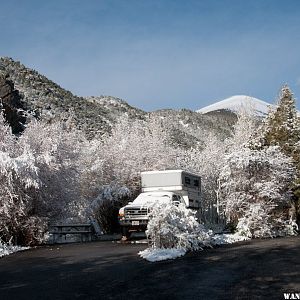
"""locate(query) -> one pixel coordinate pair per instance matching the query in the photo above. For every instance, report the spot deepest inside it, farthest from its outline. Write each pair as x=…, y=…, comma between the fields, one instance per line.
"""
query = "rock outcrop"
x=11, y=103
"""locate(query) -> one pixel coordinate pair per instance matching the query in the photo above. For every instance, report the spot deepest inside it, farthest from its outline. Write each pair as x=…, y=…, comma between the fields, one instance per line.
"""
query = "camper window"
x=196, y=182
x=187, y=180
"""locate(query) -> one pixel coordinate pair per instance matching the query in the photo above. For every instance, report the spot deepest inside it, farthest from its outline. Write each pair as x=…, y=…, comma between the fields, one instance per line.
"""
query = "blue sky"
x=158, y=54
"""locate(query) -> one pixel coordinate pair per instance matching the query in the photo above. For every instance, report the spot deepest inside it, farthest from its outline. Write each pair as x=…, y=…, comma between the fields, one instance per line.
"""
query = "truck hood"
x=140, y=205
x=145, y=200
x=148, y=201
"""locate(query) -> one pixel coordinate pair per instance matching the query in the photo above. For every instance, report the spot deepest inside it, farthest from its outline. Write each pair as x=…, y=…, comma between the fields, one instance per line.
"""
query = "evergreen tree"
x=282, y=128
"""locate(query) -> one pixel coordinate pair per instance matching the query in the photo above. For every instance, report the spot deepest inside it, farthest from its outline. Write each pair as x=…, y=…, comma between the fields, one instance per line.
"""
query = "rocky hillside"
x=189, y=127
x=35, y=93
x=49, y=101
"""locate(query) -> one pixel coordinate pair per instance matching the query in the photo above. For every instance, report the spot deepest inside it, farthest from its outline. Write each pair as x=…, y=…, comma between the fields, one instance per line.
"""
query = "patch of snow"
x=106, y=100
x=156, y=254
x=239, y=103
x=6, y=249
x=183, y=124
x=140, y=242
x=227, y=238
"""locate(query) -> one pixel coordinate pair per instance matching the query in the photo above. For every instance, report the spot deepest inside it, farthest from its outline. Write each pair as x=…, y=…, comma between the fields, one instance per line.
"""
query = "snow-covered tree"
x=208, y=161
x=134, y=147
x=243, y=130
x=257, y=181
x=40, y=179
x=58, y=154
x=18, y=178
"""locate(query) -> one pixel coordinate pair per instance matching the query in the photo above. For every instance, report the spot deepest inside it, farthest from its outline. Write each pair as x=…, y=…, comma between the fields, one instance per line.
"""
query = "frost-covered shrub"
x=260, y=221
x=286, y=227
x=106, y=206
x=254, y=191
x=206, y=162
x=33, y=230
x=39, y=179
x=18, y=181
x=7, y=248
x=58, y=152
x=256, y=222
x=173, y=226
x=133, y=147
x=209, y=159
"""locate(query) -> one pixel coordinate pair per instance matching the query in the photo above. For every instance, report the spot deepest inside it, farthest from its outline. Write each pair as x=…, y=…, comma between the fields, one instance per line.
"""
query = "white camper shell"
x=186, y=184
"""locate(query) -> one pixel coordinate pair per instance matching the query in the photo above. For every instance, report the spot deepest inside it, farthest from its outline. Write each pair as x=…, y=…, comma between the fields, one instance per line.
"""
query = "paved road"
x=261, y=269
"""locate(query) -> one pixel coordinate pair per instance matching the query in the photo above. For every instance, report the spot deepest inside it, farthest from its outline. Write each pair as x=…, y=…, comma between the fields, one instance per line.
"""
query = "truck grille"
x=135, y=213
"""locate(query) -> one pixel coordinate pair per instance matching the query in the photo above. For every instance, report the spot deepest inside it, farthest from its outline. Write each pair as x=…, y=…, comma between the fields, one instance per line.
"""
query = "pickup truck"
x=134, y=216
x=176, y=186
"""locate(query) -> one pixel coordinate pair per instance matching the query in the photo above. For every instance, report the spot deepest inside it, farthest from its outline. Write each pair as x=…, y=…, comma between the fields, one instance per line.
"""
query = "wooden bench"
x=60, y=231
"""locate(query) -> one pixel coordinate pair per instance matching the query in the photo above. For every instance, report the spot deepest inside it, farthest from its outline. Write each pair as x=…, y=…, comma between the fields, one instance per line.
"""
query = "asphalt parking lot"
x=259, y=269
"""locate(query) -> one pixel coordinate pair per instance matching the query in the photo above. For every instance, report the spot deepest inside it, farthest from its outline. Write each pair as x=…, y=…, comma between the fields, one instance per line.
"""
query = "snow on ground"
x=6, y=249
x=227, y=238
x=239, y=103
x=158, y=254
x=140, y=242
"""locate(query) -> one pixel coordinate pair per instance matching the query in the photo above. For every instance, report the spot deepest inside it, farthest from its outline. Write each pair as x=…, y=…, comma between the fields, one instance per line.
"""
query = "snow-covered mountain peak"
x=239, y=103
